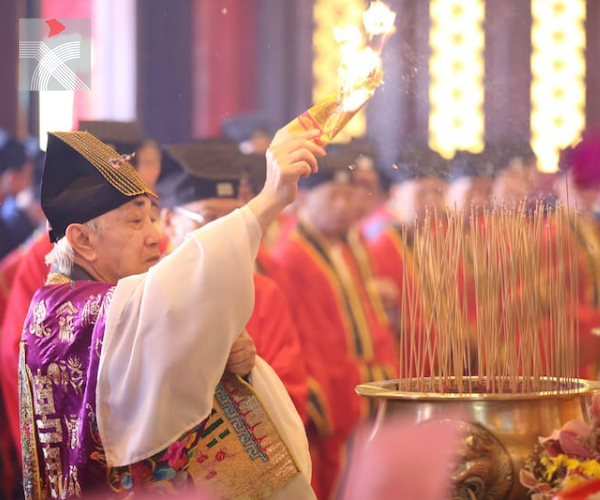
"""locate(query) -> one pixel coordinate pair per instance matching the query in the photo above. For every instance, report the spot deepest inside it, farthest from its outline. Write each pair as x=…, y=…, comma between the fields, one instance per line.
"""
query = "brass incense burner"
x=500, y=429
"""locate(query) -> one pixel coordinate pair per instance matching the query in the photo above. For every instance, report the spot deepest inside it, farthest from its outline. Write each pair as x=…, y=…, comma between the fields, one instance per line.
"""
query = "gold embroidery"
x=91, y=310
x=98, y=347
x=72, y=424
x=53, y=470
x=58, y=375
x=76, y=375
x=32, y=477
x=49, y=430
x=71, y=484
x=65, y=321
x=57, y=279
x=65, y=373
x=43, y=397
x=38, y=328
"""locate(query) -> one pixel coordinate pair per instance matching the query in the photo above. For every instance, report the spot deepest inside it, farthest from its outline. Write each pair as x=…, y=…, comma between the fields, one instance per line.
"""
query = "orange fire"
x=360, y=70
x=360, y=73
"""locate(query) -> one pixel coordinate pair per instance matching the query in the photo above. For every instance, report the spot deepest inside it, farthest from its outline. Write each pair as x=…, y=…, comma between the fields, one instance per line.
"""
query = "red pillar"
x=223, y=62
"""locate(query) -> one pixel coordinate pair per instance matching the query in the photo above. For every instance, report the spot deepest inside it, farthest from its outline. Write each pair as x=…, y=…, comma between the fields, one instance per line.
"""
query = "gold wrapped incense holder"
x=332, y=114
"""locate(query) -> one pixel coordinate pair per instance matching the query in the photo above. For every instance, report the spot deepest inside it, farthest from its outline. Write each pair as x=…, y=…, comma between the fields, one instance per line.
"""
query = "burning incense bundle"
x=360, y=74
x=518, y=270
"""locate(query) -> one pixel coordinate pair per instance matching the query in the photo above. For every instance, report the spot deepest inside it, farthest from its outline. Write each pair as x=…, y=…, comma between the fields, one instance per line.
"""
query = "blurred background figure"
x=250, y=132
x=147, y=162
x=418, y=183
x=470, y=181
x=517, y=178
x=578, y=187
x=370, y=193
x=20, y=211
x=345, y=334
x=252, y=169
x=578, y=180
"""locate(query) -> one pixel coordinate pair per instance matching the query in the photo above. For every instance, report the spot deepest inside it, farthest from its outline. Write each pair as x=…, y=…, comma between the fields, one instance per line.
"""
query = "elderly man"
x=121, y=353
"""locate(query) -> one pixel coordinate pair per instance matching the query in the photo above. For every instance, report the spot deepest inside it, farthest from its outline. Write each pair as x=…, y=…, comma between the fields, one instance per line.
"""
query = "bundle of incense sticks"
x=489, y=303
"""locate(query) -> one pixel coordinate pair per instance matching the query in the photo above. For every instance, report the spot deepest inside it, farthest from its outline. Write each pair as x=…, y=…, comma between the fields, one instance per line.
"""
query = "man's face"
x=16, y=180
x=366, y=192
x=328, y=208
x=180, y=221
x=469, y=192
x=414, y=197
x=127, y=243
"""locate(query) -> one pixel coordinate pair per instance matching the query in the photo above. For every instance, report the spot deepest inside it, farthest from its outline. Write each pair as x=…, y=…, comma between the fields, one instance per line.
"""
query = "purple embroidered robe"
x=60, y=352
x=63, y=456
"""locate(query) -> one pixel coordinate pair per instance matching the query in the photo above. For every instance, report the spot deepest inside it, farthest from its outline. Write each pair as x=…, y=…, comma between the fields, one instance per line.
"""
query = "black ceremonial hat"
x=197, y=171
x=84, y=178
x=467, y=164
x=417, y=163
x=253, y=170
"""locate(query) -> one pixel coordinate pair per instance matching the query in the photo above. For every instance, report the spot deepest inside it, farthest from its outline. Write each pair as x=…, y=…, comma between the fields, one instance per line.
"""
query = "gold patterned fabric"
x=241, y=454
x=121, y=175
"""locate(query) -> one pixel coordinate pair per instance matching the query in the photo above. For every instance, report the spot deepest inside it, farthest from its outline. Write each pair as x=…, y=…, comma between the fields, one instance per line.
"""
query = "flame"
x=379, y=19
x=361, y=71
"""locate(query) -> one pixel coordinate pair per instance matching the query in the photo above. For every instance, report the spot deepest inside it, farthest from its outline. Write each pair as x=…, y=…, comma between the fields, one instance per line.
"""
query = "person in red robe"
x=200, y=184
x=578, y=185
x=346, y=338
x=418, y=186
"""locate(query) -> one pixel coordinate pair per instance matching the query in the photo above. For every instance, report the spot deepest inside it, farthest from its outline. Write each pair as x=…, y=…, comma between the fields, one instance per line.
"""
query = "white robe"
x=167, y=339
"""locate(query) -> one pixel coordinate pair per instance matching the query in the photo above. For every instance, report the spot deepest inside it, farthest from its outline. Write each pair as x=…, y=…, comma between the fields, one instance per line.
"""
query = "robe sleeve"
x=168, y=336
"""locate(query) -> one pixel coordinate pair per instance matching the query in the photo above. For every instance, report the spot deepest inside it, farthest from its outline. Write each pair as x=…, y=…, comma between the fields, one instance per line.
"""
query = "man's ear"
x=79, y=237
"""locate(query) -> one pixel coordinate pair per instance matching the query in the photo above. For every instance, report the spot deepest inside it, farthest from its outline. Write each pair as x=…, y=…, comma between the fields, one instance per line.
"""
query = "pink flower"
x=551, y=444
x=574, y=439
x=174, y=454
x=527, y=479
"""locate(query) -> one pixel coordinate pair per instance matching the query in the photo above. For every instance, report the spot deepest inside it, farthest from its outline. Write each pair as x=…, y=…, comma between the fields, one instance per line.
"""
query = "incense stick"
x=489, y=305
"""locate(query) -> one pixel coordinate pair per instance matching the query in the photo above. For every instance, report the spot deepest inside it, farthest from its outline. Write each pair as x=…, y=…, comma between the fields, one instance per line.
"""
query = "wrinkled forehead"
x=142, y=202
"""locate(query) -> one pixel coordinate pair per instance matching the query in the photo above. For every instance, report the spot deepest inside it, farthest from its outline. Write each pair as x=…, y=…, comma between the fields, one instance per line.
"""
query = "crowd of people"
x=162, y=271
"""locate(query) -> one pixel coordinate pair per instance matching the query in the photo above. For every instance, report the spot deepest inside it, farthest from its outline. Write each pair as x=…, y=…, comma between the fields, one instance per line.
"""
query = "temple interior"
x=442, y=265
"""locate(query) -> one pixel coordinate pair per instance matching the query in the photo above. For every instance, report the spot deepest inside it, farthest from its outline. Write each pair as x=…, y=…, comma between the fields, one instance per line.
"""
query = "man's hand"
x=288, y=158
x=242, y=355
